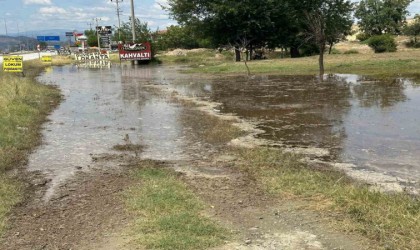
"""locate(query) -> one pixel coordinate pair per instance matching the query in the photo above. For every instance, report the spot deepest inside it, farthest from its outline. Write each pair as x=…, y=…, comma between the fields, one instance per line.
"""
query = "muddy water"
x=103, y=108
x=372, y=124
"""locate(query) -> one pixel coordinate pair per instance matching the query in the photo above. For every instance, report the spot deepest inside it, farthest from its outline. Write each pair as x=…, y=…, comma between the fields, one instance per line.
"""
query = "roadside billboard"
x=135, y=51
x=13, y=64
x=46, y=58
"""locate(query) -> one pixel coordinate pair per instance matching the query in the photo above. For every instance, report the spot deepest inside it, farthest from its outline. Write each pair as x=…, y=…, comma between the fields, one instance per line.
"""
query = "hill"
x=10, y=43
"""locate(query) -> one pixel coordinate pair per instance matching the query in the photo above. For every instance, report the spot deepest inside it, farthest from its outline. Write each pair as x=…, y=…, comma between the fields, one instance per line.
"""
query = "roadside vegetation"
x=393, y=220
x=390, y=219
x=384, y=64
x=169, y=215
x=24, y=105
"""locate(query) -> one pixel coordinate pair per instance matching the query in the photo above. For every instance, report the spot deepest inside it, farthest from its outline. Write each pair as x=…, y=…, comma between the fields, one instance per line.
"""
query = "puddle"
x=369, y=123
x=103, y=108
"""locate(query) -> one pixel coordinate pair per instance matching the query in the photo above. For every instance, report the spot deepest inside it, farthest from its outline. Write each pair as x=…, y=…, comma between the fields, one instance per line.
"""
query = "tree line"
x=304, y=27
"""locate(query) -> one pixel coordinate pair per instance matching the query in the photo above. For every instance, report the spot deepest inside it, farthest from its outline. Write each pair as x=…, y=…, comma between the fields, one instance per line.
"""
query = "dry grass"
x=393, y=220
x=24, y=105
x=354, y=57
x=403, y=62
x=210, y=128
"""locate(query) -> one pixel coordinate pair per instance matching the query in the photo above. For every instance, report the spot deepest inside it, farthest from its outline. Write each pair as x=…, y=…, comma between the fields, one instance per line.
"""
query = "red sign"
x=135, y=51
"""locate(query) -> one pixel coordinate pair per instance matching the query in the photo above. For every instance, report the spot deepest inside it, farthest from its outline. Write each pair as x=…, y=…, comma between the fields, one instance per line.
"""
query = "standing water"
x=371, y=124
x=103, y=108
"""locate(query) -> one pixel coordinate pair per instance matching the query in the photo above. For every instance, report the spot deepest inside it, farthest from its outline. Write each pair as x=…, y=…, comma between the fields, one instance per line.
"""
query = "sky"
x=26, y=16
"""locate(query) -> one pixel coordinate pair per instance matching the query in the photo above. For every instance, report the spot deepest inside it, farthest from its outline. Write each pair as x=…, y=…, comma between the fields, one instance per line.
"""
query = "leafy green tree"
x=325, y=21
x=413, y=29
x=377, y=17
x=174, y=37
x=92, y=38
x=143, y=32
x=242, y=24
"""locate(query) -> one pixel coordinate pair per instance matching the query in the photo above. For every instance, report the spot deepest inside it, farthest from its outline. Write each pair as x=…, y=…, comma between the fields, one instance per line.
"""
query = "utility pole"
x=97, y=33
x=118, y=15
x=90, y=25
x=5, y=25
x=133, y=22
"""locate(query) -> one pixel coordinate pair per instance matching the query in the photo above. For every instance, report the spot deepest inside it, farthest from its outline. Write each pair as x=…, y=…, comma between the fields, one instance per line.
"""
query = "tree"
x=325, y=21
x=377, y=17
x=231, y=22
x=92, y=38
x=413, y=29
x=177, y=37
x=143, y=32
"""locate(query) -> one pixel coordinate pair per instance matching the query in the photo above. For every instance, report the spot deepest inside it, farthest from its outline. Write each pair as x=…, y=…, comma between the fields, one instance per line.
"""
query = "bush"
x=335, y=51
x=412, y=44
x=362, y=37
x=351, y=51
x=382, y=43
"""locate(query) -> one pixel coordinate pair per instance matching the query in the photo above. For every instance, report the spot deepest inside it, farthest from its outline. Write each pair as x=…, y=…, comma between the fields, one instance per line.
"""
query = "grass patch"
x=393, y=220
x=10, y=194
x=211, y=129
x=169, y=214
x=24, y=105
x=197, y=58
x=388, y=64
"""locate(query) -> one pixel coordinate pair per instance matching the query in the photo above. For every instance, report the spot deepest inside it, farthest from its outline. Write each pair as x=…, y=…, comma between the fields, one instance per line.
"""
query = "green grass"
x=204, y=57
x=400, y=62
x=393, y=220
x=24, y=105
x=169, y=215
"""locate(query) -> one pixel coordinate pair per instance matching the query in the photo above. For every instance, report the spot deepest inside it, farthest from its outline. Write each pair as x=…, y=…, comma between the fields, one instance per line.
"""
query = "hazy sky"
x=29, y=15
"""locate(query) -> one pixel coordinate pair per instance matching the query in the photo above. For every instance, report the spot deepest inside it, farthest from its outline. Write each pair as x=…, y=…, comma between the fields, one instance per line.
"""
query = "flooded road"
x=371, y=124
x=103, y=108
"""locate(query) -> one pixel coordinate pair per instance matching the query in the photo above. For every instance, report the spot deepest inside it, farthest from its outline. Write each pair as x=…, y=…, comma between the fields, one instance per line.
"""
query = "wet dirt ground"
x=78, y=175
x=366, y=126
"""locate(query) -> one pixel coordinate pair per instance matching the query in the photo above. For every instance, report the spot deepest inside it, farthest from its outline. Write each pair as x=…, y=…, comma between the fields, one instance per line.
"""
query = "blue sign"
x=57, y=46
x=48, y=38
x=52, y=38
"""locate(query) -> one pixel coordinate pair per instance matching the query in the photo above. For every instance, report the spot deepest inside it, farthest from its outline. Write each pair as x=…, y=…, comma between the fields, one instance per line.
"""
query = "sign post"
x=13, y=64
x=135, y=51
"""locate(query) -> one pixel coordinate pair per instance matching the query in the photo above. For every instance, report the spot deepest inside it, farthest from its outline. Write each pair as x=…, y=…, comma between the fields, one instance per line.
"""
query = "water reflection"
x=370, y=122
x=102, y=107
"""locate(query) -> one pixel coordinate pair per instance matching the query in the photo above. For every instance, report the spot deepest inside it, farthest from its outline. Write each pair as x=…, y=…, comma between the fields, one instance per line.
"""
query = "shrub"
x=351, y=51
x=335, y=51
x=412, y=44
x=382, y=43
x=362, y=37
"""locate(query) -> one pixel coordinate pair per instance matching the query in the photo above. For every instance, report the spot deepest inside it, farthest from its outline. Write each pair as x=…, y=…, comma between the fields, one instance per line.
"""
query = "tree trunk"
x=237, y=54
x=294, y=52
x=330, y=48
x=321, y=62
x=251, y=52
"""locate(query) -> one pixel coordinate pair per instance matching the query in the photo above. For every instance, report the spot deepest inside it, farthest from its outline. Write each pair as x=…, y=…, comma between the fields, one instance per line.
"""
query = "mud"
x=82, y=167
x=368, y=124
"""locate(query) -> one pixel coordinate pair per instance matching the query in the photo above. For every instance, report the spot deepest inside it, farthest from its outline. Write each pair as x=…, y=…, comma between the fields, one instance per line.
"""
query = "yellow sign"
x=46, y=59
x=13, y=63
